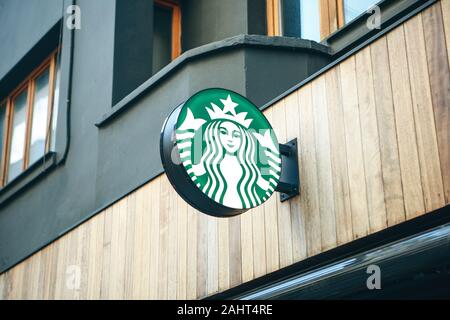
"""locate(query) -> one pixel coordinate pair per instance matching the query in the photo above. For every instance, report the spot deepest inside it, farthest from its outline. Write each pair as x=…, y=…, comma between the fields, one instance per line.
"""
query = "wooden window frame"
x=176, y=25
x=340, y=13
x=29, y=85
x=3, y=157
x=273, y=17
x=331, y=17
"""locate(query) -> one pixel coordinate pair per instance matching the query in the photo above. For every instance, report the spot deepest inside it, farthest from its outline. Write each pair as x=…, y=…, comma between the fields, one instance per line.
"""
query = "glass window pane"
x=2, y=129
x=55, y=105
x=39, y=117
x=353, y=8
x=290, y=17
x=162, y=38
x=18, y=135
x=310, y=20
x=301, y=19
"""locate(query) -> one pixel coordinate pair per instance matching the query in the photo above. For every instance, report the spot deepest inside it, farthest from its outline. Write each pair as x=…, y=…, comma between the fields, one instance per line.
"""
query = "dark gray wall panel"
x=256, y=17
x=206, y=21
x=132, y=45
x=270, y=72
x=23, y=23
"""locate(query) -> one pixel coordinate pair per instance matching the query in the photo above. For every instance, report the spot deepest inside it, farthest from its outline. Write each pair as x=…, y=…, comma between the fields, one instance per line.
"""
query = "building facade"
x=86, y=211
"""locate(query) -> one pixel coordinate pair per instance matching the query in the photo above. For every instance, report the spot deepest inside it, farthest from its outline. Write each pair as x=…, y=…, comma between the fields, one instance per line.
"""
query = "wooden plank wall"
x=374, y=152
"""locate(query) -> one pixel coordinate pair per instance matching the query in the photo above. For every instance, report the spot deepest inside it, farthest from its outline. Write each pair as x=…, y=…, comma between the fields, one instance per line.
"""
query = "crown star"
x=228, y=112
x=229, y=105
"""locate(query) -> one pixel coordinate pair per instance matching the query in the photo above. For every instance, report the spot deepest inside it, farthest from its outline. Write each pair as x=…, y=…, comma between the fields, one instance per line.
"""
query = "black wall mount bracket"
x=289, y=185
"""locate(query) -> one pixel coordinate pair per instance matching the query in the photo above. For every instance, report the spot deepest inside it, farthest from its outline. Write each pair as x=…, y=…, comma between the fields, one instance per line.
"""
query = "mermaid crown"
x=228, y=112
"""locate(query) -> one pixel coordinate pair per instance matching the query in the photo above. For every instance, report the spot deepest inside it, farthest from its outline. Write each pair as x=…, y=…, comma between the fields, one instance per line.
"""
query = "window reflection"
x=18, y=136
x=39, y=117
x=301, y=19
x=55, y=106
x=310, y=20
x=353, y=8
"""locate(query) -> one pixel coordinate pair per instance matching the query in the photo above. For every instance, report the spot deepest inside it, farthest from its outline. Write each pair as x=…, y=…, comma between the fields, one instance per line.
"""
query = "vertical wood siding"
x=373, y=150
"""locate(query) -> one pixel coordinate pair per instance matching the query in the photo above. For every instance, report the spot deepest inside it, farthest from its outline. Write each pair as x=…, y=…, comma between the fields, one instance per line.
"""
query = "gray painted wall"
x=16, y=39
x=206, y=21
x=105, y=163
x=23, y=45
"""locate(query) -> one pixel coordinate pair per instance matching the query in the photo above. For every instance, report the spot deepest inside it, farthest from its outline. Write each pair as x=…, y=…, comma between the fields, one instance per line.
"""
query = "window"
x=311, y=19
x=28, y=120
x=17, y=147
x=300, y=19
x=166, y=33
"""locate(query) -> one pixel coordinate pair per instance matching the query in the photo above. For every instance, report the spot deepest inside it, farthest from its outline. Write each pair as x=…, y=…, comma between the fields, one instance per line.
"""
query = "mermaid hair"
x=216, y=186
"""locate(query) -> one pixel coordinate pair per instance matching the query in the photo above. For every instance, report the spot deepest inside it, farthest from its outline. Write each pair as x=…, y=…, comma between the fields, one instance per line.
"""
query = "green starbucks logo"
x=228, y=149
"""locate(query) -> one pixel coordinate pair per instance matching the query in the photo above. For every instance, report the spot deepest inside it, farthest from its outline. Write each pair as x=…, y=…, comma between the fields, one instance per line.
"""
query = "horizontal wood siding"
x=373, y=150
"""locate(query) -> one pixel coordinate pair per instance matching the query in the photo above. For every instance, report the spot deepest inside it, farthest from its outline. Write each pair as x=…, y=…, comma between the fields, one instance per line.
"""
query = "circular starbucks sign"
x=220, y=153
